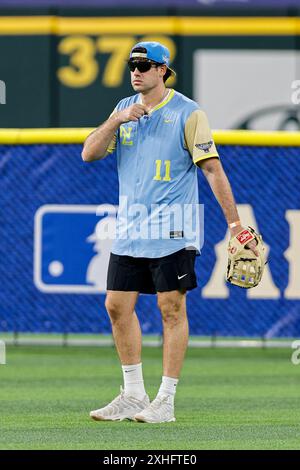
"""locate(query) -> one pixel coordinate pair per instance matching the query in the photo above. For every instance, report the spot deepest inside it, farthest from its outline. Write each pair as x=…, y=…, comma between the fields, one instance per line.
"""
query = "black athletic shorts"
x=151, y=275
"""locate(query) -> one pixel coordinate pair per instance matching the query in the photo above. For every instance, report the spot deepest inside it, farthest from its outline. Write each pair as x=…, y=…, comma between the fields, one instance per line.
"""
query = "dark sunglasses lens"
x=141, y=66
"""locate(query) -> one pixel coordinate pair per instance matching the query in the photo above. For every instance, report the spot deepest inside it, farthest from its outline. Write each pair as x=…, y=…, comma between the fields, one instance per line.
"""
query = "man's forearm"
x=218, y=181
x=221, y=188
x=96, y=144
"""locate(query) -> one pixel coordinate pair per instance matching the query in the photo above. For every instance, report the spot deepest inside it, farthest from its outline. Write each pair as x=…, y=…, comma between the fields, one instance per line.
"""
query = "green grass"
x=226, y=399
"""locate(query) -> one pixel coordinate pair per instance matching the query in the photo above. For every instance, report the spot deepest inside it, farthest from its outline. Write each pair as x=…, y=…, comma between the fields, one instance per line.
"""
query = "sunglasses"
x=142, y=66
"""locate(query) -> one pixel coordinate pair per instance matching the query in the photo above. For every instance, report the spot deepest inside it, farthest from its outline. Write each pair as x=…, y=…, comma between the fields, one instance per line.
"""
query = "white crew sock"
x=133, y=380
x=168, y=387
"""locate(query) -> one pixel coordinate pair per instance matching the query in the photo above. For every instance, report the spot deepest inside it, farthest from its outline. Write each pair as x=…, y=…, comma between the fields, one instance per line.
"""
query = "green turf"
x=226, y=399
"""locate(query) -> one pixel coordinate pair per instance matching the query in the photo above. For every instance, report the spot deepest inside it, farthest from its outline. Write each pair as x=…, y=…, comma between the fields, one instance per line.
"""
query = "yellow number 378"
x=83, y=68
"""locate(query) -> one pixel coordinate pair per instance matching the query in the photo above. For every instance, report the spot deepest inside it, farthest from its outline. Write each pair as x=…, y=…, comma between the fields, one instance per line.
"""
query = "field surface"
x=226, y=399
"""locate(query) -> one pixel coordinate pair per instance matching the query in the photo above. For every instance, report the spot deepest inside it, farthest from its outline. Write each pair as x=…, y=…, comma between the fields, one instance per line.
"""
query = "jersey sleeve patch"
x=198, y=137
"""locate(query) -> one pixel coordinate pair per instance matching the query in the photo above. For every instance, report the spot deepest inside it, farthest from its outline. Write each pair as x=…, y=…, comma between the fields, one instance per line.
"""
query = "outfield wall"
x=66, y=67
x=50, y=257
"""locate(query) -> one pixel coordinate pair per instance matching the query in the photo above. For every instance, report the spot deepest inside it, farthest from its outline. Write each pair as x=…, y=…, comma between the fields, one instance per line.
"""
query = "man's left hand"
x=251, y=245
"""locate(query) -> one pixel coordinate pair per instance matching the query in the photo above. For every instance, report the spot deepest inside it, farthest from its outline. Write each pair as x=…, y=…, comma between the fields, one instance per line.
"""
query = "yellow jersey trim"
x=203, y=157
x=163, y=103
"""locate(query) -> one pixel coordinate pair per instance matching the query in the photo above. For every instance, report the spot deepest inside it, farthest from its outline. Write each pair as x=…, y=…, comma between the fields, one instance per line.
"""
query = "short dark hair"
x=168, y=72
x=167, y=75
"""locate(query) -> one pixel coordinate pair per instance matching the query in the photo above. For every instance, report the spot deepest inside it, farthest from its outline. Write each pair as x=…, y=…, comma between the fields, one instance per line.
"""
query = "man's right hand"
x=132, y=113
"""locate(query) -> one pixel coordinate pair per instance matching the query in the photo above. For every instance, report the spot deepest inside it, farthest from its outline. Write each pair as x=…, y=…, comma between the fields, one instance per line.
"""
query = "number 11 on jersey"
x=158, y=176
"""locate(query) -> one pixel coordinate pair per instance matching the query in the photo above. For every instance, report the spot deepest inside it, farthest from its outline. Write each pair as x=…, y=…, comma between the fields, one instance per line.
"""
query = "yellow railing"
x=171, y=25
x=259, y=138
x=77, y=136
x=44, y=136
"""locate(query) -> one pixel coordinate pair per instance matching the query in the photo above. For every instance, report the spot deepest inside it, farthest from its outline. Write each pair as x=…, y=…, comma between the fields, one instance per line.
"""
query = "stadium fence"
x=49, y=198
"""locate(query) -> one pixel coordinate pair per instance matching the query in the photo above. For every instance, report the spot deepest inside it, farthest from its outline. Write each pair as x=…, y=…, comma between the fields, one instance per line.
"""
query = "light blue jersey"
x=158, y=199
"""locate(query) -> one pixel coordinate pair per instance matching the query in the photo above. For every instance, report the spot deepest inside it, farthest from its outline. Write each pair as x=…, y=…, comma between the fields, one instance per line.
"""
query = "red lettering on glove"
x=244, y=237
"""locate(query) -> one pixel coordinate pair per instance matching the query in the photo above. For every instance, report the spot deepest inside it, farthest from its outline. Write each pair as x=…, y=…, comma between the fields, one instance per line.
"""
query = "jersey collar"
x=163, y=103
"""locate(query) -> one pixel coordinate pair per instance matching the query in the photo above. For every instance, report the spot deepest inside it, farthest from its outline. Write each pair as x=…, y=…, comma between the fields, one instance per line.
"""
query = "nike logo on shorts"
x=180, y=277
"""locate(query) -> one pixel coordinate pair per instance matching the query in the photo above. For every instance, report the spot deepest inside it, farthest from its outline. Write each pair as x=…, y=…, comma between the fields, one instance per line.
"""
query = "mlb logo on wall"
x=72, y=245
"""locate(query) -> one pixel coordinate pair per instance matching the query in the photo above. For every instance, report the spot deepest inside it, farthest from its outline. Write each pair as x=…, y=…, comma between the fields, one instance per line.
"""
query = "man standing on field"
x=160, y=137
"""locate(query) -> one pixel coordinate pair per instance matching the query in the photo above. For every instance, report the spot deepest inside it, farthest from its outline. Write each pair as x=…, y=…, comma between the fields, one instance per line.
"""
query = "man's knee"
x=114, y=309
x=172, y=309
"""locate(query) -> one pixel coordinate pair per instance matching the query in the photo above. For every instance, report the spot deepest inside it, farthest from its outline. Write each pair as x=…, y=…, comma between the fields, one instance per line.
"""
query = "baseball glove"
x=244, y=268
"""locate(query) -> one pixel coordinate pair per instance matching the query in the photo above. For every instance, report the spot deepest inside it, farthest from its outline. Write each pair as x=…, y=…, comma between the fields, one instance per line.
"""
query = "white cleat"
x=161, y=410
x=122, y=407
